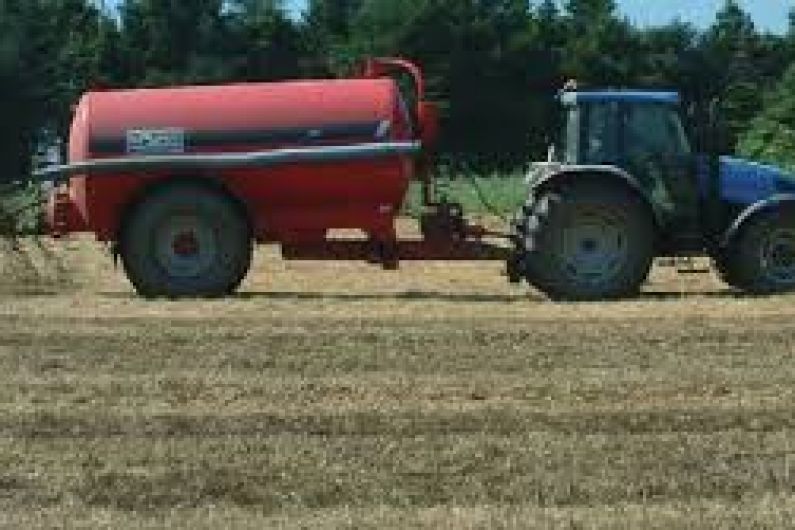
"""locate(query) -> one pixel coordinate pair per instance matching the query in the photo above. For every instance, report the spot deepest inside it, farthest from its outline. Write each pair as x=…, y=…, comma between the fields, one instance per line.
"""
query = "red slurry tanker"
x=182, y=182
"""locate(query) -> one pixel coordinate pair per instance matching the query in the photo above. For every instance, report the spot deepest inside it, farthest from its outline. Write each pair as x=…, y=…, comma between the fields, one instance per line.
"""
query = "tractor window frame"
x=571, y=134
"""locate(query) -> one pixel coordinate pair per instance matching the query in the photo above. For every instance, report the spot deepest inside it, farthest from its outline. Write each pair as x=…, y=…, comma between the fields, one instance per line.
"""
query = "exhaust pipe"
x=220, y=161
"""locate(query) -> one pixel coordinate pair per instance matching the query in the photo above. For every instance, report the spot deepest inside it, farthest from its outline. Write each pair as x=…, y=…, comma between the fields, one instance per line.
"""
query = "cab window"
x=601, y=134
x=654, y=130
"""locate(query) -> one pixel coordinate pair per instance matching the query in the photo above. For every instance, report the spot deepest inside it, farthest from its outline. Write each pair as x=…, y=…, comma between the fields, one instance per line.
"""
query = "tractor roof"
x=627, y=96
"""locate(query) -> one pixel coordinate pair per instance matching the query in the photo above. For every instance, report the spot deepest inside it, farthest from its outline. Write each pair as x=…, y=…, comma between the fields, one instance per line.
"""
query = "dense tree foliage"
x=50, y=52
x=771, y=134
x=15, y=96
x=495, y=65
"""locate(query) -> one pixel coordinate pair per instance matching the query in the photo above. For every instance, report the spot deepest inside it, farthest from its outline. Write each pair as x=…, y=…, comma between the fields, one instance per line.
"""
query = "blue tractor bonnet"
x=743, y=182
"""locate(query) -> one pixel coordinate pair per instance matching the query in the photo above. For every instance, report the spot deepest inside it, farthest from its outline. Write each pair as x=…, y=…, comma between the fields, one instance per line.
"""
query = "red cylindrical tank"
x=286, y=202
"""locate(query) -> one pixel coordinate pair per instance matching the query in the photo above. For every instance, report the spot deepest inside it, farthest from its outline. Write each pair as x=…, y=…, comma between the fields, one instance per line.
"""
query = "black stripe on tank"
x=368, y=131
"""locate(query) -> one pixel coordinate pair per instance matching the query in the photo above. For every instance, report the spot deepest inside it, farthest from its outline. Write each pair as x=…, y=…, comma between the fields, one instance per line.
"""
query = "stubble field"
x=334, y=395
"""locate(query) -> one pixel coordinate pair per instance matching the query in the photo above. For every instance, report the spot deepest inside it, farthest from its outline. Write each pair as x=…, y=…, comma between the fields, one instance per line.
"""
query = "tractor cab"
x=642, y=133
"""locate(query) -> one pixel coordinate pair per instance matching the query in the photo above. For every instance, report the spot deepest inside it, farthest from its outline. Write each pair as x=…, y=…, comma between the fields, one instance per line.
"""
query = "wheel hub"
x=594, y=249
x=778, y=255
x=185, y=246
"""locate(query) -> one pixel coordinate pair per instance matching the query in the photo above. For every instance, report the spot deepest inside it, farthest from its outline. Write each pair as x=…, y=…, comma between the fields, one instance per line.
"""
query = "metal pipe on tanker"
x=426, y=115
x=221, y=161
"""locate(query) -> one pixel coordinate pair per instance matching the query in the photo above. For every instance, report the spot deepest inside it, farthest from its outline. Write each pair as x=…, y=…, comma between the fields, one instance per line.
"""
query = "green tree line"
x=494, y=65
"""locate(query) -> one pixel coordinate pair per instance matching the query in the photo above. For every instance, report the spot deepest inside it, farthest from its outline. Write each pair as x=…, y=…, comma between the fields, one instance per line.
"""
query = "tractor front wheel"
x=186, y=240
x=761, y=260
x=589, y=241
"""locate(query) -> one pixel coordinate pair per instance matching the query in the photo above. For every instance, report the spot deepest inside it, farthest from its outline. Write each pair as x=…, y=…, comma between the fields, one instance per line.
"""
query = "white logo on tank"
x=155, y=141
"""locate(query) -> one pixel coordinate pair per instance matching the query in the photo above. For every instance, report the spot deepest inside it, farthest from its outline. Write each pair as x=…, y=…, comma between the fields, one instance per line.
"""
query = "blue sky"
x=770, y=15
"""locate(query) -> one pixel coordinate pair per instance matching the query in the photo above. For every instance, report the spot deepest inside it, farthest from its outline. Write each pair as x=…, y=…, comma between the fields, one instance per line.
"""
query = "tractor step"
x=685, y=265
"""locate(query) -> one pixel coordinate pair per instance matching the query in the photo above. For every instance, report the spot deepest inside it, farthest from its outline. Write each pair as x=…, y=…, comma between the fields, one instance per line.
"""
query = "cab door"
x=656, y=152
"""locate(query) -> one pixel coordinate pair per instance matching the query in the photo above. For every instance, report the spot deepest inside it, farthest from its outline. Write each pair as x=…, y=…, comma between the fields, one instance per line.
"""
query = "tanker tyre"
x=184, y=241
x=761, y=259
x=588, y=242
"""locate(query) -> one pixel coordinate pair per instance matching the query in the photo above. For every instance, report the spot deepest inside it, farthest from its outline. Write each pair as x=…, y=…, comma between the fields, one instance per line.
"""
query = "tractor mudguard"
x=555, y=176
x=781, y=200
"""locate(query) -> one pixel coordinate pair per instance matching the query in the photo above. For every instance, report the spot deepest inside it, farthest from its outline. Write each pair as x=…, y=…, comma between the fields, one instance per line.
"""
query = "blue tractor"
x=626, y=186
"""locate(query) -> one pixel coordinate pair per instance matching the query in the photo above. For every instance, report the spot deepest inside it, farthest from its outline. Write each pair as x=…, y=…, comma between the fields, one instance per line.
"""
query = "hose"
x=481, y=195
x=220, y=161
x=484, y=201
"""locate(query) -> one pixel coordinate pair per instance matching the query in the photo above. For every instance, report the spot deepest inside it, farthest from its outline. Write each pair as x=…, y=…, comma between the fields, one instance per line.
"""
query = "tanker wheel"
x=186, y=241
x=762, y=258
x=589, y=242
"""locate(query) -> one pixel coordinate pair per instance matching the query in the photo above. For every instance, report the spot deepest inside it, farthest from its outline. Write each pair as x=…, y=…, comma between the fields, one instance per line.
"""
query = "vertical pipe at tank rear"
x=428, y=123
x=426, y=115
x=428, y=196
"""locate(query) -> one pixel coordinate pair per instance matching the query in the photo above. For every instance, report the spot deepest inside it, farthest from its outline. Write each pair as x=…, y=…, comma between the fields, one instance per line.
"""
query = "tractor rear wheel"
x=724, y=266
x=761, y=260
x=186, y=240
x=589, y=241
